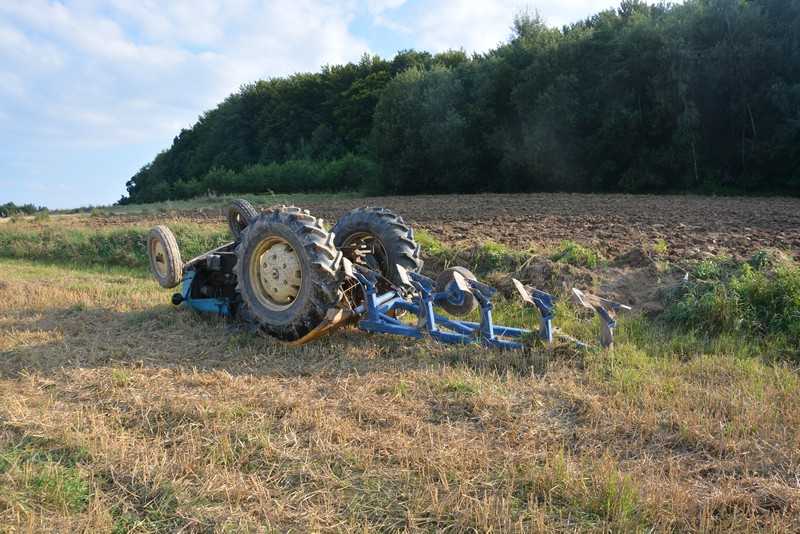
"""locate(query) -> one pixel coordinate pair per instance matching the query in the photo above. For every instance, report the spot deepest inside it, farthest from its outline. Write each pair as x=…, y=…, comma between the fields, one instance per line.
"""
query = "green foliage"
x=41, y=216
x=421, y=133
x=659, y=248
x=346, y=173
x=10, y=209
x=575, y=254
x=699, y=96
x=428, y=243
x=492, y=257
x=760, y=297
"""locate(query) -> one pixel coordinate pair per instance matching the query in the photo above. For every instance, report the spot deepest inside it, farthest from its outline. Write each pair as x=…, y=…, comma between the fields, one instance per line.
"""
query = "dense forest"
x=702, y=96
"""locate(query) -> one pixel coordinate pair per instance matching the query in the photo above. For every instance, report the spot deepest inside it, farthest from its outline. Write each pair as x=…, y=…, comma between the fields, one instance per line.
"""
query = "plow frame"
x=378, y=313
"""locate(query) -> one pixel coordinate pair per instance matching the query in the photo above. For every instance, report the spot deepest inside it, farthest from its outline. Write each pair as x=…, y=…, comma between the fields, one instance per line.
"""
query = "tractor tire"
x=164, y=256
x=393, y=240
x=456, y=307
x=288, y=272
x=240, y=215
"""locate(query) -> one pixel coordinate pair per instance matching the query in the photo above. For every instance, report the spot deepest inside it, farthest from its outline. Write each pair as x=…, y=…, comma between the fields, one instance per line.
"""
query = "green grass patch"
x=493, y=257
x=575, y=254
x=429, y=244
x=147, y=507
x=123, y=246
x=38, y=472
x=757, y=298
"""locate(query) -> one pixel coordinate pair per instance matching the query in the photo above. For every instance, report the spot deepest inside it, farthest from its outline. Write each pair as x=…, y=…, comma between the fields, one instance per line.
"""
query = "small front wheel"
x=240, y=215
x=164, y=256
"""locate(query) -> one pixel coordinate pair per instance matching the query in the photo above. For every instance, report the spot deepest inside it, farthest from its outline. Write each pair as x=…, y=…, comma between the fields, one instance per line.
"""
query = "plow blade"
x=606, y=310
x=542, y=303
x=334, y=319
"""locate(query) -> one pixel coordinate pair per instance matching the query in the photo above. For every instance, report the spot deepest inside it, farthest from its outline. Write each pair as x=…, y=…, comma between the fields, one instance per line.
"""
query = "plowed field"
x=612, y=224
x=691, y=228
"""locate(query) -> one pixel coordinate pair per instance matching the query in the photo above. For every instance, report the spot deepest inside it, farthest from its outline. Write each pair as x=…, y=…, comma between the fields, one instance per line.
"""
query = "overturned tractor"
x=290, y=278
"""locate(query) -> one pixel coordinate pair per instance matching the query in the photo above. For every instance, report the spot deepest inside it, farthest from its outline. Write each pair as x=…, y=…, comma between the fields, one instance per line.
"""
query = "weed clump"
x=428, y=243
x=493, y=257
x=572, y=253
x=760, y=297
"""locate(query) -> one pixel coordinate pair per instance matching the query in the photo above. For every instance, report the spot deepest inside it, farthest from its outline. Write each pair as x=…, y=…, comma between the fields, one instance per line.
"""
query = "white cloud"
x=474, y=25
x=376, y=7
x=117, y=64
x=91, y=88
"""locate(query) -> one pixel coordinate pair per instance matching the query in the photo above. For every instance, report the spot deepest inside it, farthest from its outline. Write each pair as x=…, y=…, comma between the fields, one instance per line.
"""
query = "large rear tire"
x=240, y=215
x=288, y=272
x=164, y=256
x=392, y=240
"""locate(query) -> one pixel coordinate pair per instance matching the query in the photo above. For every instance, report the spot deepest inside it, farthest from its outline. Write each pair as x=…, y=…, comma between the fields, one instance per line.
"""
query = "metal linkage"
x=378, y=312
x=381, y=308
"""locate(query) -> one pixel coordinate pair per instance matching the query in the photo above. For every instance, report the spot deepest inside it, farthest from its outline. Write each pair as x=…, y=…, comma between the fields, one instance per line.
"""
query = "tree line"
x=10, y=209
x=702, y=96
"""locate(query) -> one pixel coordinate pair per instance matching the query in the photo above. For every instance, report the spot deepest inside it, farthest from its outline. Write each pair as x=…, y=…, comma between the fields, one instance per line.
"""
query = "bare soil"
x=634, y=232
x=612, y=224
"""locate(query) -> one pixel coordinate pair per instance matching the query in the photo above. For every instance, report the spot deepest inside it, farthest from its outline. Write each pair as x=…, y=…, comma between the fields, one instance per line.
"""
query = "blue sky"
x=91, y=91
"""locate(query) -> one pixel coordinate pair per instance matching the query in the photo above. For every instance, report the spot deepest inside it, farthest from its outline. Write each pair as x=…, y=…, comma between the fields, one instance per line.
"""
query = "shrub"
x=760, y=297
x=348, y=173
x=575, y=254
x=296, y=176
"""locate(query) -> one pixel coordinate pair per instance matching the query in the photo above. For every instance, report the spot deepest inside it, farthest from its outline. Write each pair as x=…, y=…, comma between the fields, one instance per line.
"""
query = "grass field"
x=122, y=413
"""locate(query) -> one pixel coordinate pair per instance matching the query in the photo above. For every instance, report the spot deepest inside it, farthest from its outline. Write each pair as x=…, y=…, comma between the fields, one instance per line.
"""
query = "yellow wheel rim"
x=159, y=255
x=276, y=273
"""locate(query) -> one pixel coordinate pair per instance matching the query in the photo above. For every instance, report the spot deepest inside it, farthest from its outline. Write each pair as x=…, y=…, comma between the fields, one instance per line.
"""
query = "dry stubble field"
x=119, y=412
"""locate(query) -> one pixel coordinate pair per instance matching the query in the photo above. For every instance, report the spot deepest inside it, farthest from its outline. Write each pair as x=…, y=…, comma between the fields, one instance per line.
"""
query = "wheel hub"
x=375, y=261
x=280, y=274
x=160, y=260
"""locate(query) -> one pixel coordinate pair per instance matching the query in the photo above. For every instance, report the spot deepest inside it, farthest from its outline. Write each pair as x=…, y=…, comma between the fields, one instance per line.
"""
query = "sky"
x=92, y=90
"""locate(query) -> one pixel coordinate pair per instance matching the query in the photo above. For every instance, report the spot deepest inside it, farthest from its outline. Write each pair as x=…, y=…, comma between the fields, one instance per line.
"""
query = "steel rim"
x=239, y=222
x=276, y=273
x=379, y=256
x=159, y=255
